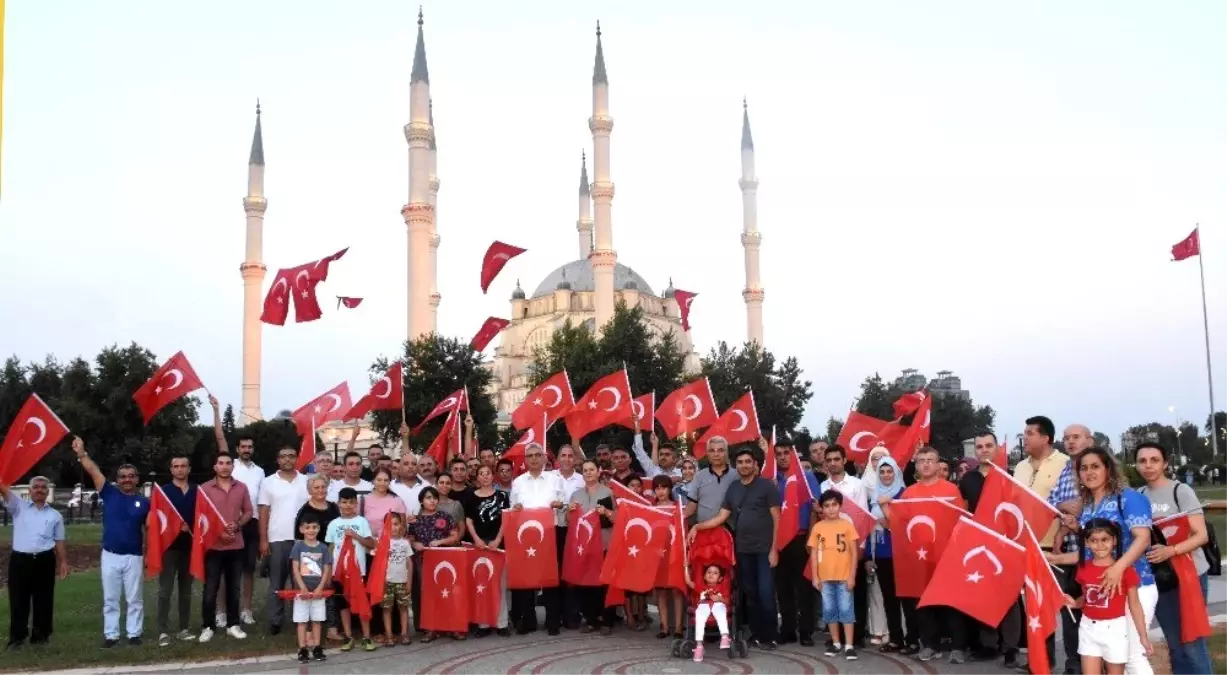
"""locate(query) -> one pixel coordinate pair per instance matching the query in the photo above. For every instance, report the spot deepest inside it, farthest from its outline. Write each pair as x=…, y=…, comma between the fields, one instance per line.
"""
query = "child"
x=833, y=551
x=1102, y=632
x=666, y=598
x=709, y=600
x=351, y=526
x=399, y=582
x=636, y=606
x=311, y=564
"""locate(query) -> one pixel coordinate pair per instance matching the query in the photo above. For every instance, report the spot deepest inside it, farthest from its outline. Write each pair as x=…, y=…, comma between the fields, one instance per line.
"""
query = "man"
x=251, y=476
x=504, y=475
x=818, y=458
x=323, y=467
x=282, y=494
x=427, y=469
x=709, y=485
x=487, y=457
x=853, y=489
x=124, y=511
x=622, y=470
x=794, y=594
x=336, y=474
x=663, y=460
x=353, y=478
x=536, y=489
x=226, y=558
x=1064, y=495
x=472, y=464
x=38, y=553
x=752, y=506
x=935, y=621
x=407, y=486
x=569, y=480
x=177, y=562
x=604, y=457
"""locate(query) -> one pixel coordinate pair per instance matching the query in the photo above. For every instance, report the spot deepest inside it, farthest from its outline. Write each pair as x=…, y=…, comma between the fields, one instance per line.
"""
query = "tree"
x=780, y=393
x=228, y=420
x=1216, y=427
x=1102, y=440
x=435, y=367
x=953, y=419
x=834, y=427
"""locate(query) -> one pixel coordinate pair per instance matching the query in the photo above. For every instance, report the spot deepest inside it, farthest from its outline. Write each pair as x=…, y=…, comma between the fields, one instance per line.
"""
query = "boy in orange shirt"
x=833, y=552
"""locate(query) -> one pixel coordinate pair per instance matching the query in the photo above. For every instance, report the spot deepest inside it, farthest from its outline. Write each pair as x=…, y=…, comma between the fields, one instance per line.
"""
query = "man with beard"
x=853, y=489
x=282, y=494
x=427, y=468
x=818, y=458
x=622, y=470
x=251, y=476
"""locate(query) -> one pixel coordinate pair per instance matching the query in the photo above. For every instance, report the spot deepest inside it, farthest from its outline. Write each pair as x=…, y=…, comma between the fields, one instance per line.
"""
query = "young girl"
x=636, y=607
x=667, y=598
x=710, y=601
x=1102, y=633
x=433, y=528
x=399, y=583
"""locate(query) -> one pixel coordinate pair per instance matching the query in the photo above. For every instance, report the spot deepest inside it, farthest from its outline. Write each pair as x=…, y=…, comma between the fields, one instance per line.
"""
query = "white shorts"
x=1109, y=640
x=307, y=611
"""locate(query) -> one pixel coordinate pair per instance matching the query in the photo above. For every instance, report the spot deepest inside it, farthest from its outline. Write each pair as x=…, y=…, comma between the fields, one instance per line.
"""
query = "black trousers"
x=523, y=614
x=592, y=605
x=890, y=601
x=937, y=622
x=568, y=595
x=793, y=593
x=176, y=572
x=223, y=569
x=31, y=590
x=860, y=598
x=911, y=618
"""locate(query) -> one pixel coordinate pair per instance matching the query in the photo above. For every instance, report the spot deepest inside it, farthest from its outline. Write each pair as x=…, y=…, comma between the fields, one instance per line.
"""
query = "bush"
x=1134, y=478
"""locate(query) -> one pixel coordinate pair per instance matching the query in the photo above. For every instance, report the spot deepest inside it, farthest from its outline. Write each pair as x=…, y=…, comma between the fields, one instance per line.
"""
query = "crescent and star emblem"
x=528, y=437
x=921, y=553
x=484, y=562
x=500, y=256
x=42, y=429
x=617, y=397
x=302, y=274
x=1035, y=589
x=698, y=406
x=285, y=289
x=1170, y=531
x=445, y=565
x=175, y=373
x=745, y=420
x=688, y=301
x=447, y=403
x=1013, y=510
x=557, y=395
x=975, y=577
x=586, y=527
x=202, y=525
x=387, y=393
x=161, y=522
x=531, y=525
x=638, y=408
x=335, y=397
x=855, y=442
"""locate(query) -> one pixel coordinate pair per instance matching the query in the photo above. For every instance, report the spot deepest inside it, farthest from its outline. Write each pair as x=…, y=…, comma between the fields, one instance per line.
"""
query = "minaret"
x=750, y=238
x=434, y=223
x=584, y=224
x=252, y=271
x=603, y=257
x=419, y=212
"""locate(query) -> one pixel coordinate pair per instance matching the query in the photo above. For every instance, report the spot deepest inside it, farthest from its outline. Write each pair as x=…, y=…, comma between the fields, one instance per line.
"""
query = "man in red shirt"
x=225, y=558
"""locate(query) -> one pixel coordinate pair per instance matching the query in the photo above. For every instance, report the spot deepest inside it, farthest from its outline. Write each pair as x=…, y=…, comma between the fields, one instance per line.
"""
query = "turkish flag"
x=444, y=441
x=916, y=435
x=644, y=411
x=174, y=380
x=862, y=520
x=532, y=551
x=738, y=424
x=553, y=398
x=206, y=533
x=458, y=400
x=162, y=527
x=349, y=575
x=277, y=301
x=388, y=393
x=862, y=433
x=670, y=536
x=33, y=433
x=492, y=327
x=496, y=257
x=377, y=576
x=302, y=289
x=1002, y=457
x=634, y=554
x=1194, y=619
x=330, y=406
x=908, y=403
x=606, y=401
x=1006, y=505
x=486, y=567
x=296, y=285
x=621, y=494
x=796, y=492
x=1042, y=600
x=306, y=451
x=979, y=574
x=1187, y=247
x=350, y=303
x=687, y=409
x=770, y=466
x=684, y=298
x=583, y=555
x=920, y=529
x=515, y=454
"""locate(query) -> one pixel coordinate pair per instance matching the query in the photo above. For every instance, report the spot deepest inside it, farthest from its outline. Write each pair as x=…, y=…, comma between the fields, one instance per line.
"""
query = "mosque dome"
x=518, y=293
x=578, y=274
x=669, y=292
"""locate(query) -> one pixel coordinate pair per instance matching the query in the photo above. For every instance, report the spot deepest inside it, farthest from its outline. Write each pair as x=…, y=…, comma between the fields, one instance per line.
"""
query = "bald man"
x=1077, y=439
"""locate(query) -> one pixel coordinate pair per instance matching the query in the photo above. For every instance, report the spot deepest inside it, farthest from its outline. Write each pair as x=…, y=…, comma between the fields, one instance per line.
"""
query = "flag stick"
x=1205, y=321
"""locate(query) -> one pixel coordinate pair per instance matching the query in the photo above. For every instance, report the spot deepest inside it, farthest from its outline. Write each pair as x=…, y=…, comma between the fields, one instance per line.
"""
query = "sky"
x=988, y=188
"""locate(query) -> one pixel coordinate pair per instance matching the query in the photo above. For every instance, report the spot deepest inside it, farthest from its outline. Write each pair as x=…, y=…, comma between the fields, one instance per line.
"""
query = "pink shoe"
x=698, y=653
x=725, y=642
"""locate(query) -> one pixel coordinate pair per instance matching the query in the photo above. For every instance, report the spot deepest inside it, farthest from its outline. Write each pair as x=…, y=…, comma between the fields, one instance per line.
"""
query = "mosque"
x=584, y=291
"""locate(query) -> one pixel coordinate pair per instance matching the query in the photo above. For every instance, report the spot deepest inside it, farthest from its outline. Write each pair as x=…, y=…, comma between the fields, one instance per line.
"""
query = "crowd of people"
x=290, y=526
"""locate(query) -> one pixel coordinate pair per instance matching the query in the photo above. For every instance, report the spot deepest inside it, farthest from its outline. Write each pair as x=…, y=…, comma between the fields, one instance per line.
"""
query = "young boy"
x=351, y=526
x=833, y=552
x=311, y=565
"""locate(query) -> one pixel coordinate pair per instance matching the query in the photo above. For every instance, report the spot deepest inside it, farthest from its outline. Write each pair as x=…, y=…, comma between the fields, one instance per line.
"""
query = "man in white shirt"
x=855, y=491
x=250, y=474
x=407, y=485
x=571, y=481
x=282, y=493
x=352, y=479
x=536, y=489
x=663, y=459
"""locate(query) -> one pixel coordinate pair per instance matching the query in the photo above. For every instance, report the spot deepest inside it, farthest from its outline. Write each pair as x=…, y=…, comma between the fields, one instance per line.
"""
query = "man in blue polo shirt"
x=124, y=510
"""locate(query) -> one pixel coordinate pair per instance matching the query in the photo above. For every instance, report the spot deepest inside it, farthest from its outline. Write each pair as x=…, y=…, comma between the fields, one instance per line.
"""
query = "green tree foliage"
x=1101, y=440
x=953, y=420
x=780, y=392
x=1217, y=427
x=834, y=427
x=228, y=419
x=1187, y=441
x=435, y=367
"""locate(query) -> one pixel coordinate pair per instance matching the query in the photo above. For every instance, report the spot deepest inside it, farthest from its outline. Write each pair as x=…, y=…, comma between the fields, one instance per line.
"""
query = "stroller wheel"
x=685, y=650
x=743, y=647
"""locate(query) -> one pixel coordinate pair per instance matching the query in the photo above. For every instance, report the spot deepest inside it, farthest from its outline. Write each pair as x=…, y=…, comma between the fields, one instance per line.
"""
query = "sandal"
x=406, y=641
x=640, y=627
x=661, y=635
x=678, y=635
x=888, y=647
x=460, y=636
x=430, y=637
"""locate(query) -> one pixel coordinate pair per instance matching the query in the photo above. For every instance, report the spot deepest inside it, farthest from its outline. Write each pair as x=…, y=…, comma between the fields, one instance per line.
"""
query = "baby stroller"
x=714, y=546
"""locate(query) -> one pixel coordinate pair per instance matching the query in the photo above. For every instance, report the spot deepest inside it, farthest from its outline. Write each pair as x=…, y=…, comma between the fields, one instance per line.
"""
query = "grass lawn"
x=84, y=533
x=1217, y=517
x=1218, y=649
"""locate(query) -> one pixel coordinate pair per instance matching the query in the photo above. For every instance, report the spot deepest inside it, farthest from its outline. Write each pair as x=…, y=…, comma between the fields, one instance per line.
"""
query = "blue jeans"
x=837, y=606
x=758, y=589
x=1189, y=658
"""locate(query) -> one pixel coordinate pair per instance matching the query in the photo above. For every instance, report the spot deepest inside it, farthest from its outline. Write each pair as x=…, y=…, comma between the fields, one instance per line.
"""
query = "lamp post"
x=1179, y=446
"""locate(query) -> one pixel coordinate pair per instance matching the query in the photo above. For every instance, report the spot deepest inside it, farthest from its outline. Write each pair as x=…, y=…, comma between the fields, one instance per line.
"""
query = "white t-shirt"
x=334, y=488
x=398, y=555
x=569, y=486
x=251, y=476
x=851, y=487
x=409, y=495
x=283, y=499
x=336, y=533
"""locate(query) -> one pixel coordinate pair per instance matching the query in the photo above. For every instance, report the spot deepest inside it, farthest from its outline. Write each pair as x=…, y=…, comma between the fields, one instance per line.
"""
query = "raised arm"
x=470, y=448
x=579, y=449
x=222, y=447
x=78, y=446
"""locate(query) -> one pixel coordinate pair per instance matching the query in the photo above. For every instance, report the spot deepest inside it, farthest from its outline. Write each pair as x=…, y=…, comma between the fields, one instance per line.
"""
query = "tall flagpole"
x=1205, y=320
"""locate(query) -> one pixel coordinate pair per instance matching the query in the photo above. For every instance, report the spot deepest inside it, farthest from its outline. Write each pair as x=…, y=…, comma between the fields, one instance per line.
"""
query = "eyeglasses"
x=287, y=455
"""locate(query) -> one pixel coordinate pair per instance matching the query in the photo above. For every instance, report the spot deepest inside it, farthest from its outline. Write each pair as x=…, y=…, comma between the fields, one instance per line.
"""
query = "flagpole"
x=1205, y=321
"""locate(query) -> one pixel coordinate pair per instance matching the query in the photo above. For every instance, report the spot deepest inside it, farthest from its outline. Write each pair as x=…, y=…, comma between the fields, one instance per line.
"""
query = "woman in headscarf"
x=881, y=562
x=877, y=610
x=870, y=479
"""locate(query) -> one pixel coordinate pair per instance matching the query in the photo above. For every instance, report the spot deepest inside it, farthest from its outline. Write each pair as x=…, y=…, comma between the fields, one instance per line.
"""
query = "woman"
x=484, y=523
x=1168, y=498
x=689, y=469
x=878, y=628
x=381, y=501
x=881, y=562
x=595, y=496
x=452, y=506
x=432, y=528
x=1105, y=495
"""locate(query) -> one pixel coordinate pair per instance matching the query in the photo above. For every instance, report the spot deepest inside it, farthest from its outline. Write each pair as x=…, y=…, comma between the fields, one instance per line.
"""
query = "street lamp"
x=1179, y=448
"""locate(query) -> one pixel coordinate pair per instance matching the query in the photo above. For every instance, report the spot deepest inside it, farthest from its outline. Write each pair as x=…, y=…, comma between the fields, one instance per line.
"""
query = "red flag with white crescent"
x=1042, y=600
x=1194, y=619
x=205, y=533
x=606, y=401
x=496, y=257
x=634, y=554
x=688, y=408
x=643, y=408
x=330, y=406
x=174, y=380
x=33, y=433
x=488, y=331
x=486, y=592
x=583, y=556
x=917, y=434
x=456, y=401
x=349, y=575
x=388, y=393
x=670, y=535
x=162, y=526
x=377, y=576
x=920, y=529
x=979, y=574
x=738, y=424
x=684, y=298
x=306, y=451
x=1187, y=247
x=297, y=286
x=350, y=303
x=553, y=398
x=862, y=433
x=621, y=494
x=1006, y=505
x=446, y=580
x=532, y=551
x=515, y=454
x=908, y=403
x=445, y=440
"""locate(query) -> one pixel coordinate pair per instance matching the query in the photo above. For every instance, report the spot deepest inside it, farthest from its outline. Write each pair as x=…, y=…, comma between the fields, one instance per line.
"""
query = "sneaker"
x=185, y=634
x=247, y=618
x=833, y=649
x=725, y=642
x=303, y=655
x=927, y=654
x=134, y=641
x=236, y=633
x=109, y=643
x=368, y=645
x=347, y=644
x=698, y=653
x=318, y=654
x=164, y=640
x=957, y=657
x=221, y=619
x=850, y=653
x=205, y=635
